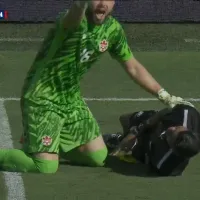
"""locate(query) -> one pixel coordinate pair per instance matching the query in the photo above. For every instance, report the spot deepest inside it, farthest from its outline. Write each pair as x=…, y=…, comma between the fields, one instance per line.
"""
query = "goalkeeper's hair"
x=187, y=144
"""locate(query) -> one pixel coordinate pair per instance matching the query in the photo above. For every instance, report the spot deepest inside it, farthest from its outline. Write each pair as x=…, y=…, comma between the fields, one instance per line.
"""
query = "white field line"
x=112, y=99
x=192, y=40
x=21, y=39
x=13, y=181
x=30, y=39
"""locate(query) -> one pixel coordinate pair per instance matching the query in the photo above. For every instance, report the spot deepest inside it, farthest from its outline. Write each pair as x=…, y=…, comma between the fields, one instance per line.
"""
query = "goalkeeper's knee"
x=16, y=160
x=46, y=166
x=96, y=158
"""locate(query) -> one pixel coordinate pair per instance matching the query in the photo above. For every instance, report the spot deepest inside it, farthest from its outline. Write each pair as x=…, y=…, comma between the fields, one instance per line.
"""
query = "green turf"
x=172, y=61
x=100, y=183
x=180, y=69
x=142, y=37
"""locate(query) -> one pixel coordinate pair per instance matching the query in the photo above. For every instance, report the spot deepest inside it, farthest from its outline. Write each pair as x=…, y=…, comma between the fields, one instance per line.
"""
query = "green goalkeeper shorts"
x=50, y=130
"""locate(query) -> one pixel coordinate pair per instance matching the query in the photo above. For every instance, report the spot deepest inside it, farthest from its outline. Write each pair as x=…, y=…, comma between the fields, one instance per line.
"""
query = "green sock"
x=93, y=159
x=15, y=160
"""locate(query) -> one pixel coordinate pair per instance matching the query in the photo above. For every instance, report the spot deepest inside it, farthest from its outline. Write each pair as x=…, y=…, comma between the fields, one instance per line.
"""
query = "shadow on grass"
x=121, y=167
x=128, y=169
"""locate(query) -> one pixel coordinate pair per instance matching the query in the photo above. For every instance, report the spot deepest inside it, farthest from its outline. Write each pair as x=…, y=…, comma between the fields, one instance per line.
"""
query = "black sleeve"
x=193, y=119
x=134, y=119
x=183, y=115
x=190, y=143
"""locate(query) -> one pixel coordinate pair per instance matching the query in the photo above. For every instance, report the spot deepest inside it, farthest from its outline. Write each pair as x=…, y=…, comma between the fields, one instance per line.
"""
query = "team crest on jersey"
x=46, y=140
x=103, y=45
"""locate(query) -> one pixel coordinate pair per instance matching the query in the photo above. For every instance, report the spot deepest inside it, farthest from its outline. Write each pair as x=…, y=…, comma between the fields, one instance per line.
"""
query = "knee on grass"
x=97, y=158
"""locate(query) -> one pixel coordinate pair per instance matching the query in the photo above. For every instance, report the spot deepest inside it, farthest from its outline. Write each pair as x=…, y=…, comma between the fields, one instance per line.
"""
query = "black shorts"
x=163, y=160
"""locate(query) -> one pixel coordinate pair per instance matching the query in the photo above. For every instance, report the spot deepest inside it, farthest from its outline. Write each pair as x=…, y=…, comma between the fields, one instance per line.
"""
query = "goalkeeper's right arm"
x=75, y=14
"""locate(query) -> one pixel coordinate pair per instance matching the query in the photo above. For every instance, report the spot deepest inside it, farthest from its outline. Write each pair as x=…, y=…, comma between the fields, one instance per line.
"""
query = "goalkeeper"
x=56, y=120
x=164, y=140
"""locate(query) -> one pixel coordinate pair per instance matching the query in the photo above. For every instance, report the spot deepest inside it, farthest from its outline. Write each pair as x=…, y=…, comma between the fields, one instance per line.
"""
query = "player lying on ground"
x=164, y=140
x=55, y=117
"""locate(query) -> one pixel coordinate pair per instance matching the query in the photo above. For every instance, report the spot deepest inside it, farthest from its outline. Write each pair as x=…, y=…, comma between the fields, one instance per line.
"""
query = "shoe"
x=112, y=141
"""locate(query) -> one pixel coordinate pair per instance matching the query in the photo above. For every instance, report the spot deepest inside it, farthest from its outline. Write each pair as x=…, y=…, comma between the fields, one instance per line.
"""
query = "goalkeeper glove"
x=171, y=100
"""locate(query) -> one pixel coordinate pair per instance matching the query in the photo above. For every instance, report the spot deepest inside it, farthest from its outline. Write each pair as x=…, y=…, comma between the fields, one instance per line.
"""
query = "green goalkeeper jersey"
x=65, y=56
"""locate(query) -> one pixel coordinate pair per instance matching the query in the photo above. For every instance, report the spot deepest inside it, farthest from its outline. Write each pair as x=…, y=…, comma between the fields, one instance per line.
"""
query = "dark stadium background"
x=125, y=10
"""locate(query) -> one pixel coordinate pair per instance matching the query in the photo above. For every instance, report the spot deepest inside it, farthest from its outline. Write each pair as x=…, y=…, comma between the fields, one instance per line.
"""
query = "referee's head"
x=184, y=142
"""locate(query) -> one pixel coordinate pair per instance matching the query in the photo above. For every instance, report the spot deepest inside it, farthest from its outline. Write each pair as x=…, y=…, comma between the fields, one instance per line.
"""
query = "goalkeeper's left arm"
x=143, y=78
x=122, y=52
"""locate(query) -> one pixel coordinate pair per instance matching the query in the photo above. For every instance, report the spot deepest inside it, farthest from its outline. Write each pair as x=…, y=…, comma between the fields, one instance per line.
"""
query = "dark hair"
x=187, y=144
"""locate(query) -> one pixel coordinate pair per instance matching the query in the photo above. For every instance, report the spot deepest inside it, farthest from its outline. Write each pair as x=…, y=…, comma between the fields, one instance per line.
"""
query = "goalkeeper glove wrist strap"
x=163, y=94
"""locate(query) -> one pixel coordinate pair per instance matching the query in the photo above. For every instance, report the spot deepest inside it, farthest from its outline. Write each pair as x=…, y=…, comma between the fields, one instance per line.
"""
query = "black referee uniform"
x=153, y=149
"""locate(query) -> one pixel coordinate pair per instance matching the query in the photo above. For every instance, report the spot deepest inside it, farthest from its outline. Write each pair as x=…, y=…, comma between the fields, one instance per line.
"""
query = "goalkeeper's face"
x=99, y=10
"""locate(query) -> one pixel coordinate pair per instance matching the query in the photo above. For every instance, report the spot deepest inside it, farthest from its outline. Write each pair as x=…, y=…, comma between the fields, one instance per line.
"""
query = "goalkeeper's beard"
x=92, y=18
